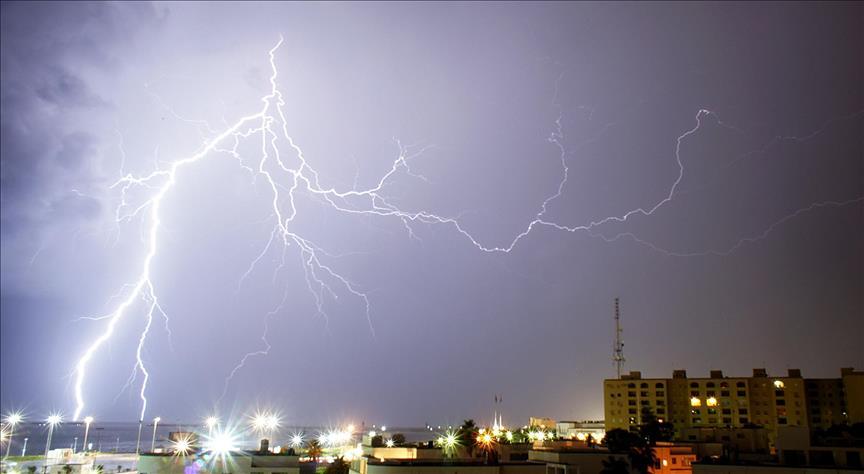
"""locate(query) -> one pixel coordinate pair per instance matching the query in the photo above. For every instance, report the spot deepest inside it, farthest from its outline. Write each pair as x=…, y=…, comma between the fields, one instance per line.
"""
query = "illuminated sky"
x=757, y=260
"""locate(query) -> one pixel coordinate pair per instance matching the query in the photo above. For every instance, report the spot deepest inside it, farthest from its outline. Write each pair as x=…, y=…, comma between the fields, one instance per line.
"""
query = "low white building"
x=581, y=429
x=237, y=462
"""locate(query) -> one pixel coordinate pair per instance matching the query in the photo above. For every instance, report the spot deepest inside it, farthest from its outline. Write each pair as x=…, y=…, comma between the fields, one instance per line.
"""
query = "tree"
x=398, y=439
x=67, y=468
x=338, y=466
x=639, y=452
x=620, y=441
x=467, y=435
x=377, y=441
x=653, y=430
x=313, y=450
x=31, y=469
x=642, y=458
x=615, y=465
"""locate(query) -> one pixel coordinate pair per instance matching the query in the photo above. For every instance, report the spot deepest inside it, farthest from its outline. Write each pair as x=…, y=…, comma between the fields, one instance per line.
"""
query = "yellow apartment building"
x=718, y=401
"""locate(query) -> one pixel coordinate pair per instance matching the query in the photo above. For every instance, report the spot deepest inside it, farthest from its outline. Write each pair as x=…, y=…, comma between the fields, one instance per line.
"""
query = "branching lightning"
x=269, y=125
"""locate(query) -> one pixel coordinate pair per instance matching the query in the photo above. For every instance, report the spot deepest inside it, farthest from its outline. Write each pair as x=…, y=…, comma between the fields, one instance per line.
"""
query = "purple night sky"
x=756, y=260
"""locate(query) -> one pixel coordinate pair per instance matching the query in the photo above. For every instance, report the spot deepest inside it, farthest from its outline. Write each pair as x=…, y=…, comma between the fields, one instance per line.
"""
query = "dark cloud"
x=65, y=90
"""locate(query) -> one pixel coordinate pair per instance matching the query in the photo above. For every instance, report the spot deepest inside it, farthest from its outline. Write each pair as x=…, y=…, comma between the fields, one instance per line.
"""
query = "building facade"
x=718, y=401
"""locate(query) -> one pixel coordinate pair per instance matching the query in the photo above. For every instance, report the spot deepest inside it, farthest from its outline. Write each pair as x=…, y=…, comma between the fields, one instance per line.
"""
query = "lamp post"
x=155, y=424
x=212, y=421
x=12, y=419
x=138, y=442
x=24, y=449
x=75, y=445
x=272, y=425
x=52, y=421
x=87, y=422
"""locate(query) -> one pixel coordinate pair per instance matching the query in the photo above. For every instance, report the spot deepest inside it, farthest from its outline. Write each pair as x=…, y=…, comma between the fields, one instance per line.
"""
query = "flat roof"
x=446, y=462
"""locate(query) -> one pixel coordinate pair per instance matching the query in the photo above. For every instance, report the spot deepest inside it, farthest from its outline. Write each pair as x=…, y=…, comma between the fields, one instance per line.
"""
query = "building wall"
x=238, y=463
x=396, y=452
x=674, y=459
x=168, y=464
x=444, y=468
x=734, y=402
x=586, y=461
x=825, y=402
x=538, y=421
x=853, y=388
x=624, y=399
x=699, y=468
x=580, y=430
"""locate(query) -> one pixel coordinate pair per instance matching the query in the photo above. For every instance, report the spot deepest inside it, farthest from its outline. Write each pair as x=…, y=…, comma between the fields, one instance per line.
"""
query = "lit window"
x=711, y=402
x=779, y=384
x=695, y=402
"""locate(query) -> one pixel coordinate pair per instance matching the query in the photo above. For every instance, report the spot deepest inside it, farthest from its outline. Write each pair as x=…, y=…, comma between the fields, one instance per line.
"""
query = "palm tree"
x=313, y=450
x=338, y=466
x=615, y=466
x=642, y=458
x=467, y=435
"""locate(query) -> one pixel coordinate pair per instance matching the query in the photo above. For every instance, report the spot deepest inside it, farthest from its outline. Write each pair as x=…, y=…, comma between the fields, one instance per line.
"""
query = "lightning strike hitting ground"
x=271, y=125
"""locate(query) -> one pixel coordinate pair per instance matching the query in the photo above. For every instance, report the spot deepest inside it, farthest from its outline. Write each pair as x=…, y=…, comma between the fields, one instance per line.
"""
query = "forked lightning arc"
x=270, y=126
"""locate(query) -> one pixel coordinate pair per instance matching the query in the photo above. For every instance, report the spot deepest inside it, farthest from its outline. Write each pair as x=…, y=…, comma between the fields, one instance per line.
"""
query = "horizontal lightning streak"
x=742, y=241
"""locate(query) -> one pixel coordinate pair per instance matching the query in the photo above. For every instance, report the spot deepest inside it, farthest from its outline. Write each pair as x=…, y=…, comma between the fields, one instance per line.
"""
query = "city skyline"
x=477, y=184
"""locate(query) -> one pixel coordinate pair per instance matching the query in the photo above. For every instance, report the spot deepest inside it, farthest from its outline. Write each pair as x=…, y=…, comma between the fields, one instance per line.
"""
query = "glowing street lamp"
x=259, y=422
x=153, y=441
x=272, y=423
x=87, y=421
x=12, y=419
x=449, y=441
x=211, y=422
x=220, y=446
x=486, y=441
x=53, y=420
x=138, y=440
x=182, y=445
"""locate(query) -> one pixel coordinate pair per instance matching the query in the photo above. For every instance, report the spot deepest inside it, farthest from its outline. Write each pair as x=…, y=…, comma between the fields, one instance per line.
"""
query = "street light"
x=53, y=420
x=273, y=422
x=259, y=422
x=12, y=419
x=211, y=421
x=138, y=441
x=87, y=421
x=153, y=442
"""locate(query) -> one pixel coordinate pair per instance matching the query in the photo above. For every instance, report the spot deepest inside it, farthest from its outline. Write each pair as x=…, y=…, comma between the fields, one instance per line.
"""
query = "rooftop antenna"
x=618, y=349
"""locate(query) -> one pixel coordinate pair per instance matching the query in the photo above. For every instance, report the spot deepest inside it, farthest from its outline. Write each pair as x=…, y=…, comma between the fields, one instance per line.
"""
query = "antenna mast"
x=618, y=350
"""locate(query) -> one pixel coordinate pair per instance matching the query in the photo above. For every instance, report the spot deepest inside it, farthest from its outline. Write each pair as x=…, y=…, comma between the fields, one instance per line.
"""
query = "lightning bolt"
x=286, y=176
x=743, y=240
